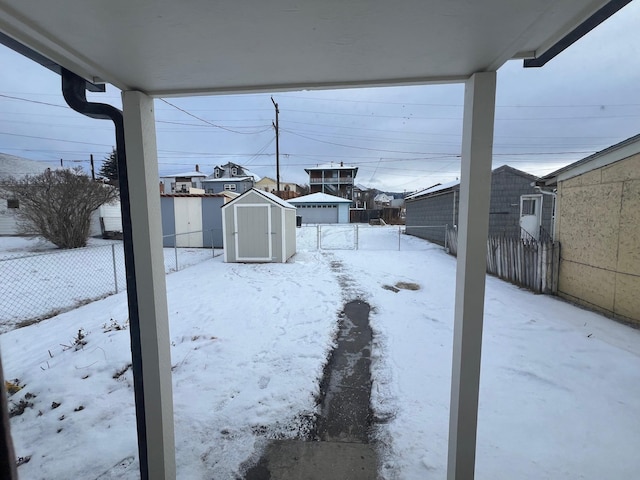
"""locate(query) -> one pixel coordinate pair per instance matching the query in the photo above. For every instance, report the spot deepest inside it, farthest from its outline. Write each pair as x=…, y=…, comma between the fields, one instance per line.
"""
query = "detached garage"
x=258, y=227
x=192, y=220
x=322, y=208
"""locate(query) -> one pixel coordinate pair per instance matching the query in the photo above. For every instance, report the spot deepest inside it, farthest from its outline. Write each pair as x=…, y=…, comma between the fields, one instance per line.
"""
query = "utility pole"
x=275, y=126
x=93, y=172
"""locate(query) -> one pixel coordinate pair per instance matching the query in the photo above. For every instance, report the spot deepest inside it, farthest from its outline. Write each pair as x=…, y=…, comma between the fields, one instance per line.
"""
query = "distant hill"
x=12, y=166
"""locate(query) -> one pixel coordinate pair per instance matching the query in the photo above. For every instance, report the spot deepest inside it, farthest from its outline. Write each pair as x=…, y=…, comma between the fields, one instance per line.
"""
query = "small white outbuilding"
x=322, y=208
x=258, y=227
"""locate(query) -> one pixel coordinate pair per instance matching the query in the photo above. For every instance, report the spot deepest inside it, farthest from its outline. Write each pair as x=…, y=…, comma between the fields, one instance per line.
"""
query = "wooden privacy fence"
x=525, y=262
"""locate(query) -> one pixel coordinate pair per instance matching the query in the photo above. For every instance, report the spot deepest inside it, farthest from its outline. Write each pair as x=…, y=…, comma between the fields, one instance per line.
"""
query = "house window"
x=13, y=203
x=528, y=206
x=234, y=171
x=230, y=186
x=216, y=173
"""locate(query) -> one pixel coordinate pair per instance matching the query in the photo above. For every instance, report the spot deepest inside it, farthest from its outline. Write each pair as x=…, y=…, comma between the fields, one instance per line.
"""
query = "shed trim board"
x=284, y=237
x=225, y=251
x=238, y=237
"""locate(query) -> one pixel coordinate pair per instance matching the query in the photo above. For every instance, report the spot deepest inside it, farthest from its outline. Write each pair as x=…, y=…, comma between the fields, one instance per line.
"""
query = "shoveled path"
x=341, y=451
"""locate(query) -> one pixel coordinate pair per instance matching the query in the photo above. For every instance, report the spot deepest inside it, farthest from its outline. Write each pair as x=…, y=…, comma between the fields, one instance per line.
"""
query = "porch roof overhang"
x=166, y=48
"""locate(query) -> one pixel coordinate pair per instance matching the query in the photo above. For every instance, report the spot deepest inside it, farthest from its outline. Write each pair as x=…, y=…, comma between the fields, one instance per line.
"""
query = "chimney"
x=197, y=168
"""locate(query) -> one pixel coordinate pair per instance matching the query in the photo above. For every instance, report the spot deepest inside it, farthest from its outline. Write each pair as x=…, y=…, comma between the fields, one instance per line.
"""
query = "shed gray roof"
x=456, y=183
x=434, y=189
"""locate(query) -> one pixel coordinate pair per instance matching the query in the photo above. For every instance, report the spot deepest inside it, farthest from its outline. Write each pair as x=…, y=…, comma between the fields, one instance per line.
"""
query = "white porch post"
x=473, y=226
x=142, y=171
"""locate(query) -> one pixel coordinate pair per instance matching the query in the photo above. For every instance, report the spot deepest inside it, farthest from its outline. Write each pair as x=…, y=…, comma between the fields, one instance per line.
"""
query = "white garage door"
x=318, y=213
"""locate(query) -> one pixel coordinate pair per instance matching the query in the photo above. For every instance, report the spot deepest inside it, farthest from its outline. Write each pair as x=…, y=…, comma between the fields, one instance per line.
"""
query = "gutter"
x=577, y=33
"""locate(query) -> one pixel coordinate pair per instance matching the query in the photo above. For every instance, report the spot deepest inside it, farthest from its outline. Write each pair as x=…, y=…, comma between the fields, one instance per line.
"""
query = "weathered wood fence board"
x=525, y=262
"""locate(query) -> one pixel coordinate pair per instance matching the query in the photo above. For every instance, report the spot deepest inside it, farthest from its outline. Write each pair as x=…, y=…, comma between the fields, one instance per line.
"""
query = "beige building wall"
x=598, y=225
x=267, y=184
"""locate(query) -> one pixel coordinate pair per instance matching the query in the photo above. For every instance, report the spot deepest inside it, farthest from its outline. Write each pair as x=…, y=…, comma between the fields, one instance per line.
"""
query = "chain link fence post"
x=115, y=269
x=175, y=249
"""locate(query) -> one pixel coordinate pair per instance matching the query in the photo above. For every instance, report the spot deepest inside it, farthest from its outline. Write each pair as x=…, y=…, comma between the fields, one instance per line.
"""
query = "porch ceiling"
x=168, y=47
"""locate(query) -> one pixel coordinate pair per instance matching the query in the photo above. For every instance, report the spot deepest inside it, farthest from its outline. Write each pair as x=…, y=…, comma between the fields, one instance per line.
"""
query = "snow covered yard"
x=560, y=386
x=40, y=280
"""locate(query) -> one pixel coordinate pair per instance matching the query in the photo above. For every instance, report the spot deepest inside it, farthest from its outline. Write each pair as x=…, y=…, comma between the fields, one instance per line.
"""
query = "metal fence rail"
x=353, y=237
x=40, y=285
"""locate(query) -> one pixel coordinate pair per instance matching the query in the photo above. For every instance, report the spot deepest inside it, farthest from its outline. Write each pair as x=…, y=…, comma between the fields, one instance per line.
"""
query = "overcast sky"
x=400, y=138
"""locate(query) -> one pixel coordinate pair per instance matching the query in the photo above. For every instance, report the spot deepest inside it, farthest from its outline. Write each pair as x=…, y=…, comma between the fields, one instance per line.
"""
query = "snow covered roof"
x=382, y=198
x=434, y=189
x=274, y=198
x=193, y=173
x=267, y=195
x=332, y=166
x=228, y=179
x=319, y=198
x=12, y=166
x=227, y=169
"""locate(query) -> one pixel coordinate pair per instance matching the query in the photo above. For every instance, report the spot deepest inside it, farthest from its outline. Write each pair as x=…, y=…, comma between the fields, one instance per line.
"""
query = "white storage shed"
x=322, y=208
x=258, y=227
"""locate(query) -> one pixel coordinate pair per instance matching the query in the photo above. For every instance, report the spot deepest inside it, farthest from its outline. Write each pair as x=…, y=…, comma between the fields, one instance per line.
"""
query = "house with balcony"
x=333, y=179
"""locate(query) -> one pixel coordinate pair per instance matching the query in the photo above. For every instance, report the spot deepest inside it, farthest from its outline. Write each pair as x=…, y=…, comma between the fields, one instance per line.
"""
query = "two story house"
x=230, y=177
x=333, y=179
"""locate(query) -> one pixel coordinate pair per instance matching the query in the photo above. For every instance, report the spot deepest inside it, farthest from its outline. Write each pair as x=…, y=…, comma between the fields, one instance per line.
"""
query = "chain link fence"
x=40, y=285
x=355, y=237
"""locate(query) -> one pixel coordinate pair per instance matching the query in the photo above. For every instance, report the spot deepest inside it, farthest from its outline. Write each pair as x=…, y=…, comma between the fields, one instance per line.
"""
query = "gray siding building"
x=513, y=197
x=191, y=220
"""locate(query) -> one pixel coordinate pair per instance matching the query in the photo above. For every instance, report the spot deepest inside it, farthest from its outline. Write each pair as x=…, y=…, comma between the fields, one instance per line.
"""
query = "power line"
x=211, y=123
x=34, y=101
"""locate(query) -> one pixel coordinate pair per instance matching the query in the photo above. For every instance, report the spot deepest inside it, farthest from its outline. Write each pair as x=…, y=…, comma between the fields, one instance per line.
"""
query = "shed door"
x=319, y=214
x=530, y=216
x=188, y=213
x=253, y=232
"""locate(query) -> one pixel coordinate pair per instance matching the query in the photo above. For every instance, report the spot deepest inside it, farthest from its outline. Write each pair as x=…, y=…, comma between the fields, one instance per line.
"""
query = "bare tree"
x=57, y=204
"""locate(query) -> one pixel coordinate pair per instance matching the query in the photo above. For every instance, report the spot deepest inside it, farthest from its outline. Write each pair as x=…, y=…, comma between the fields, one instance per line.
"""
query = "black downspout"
x=73, y=90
